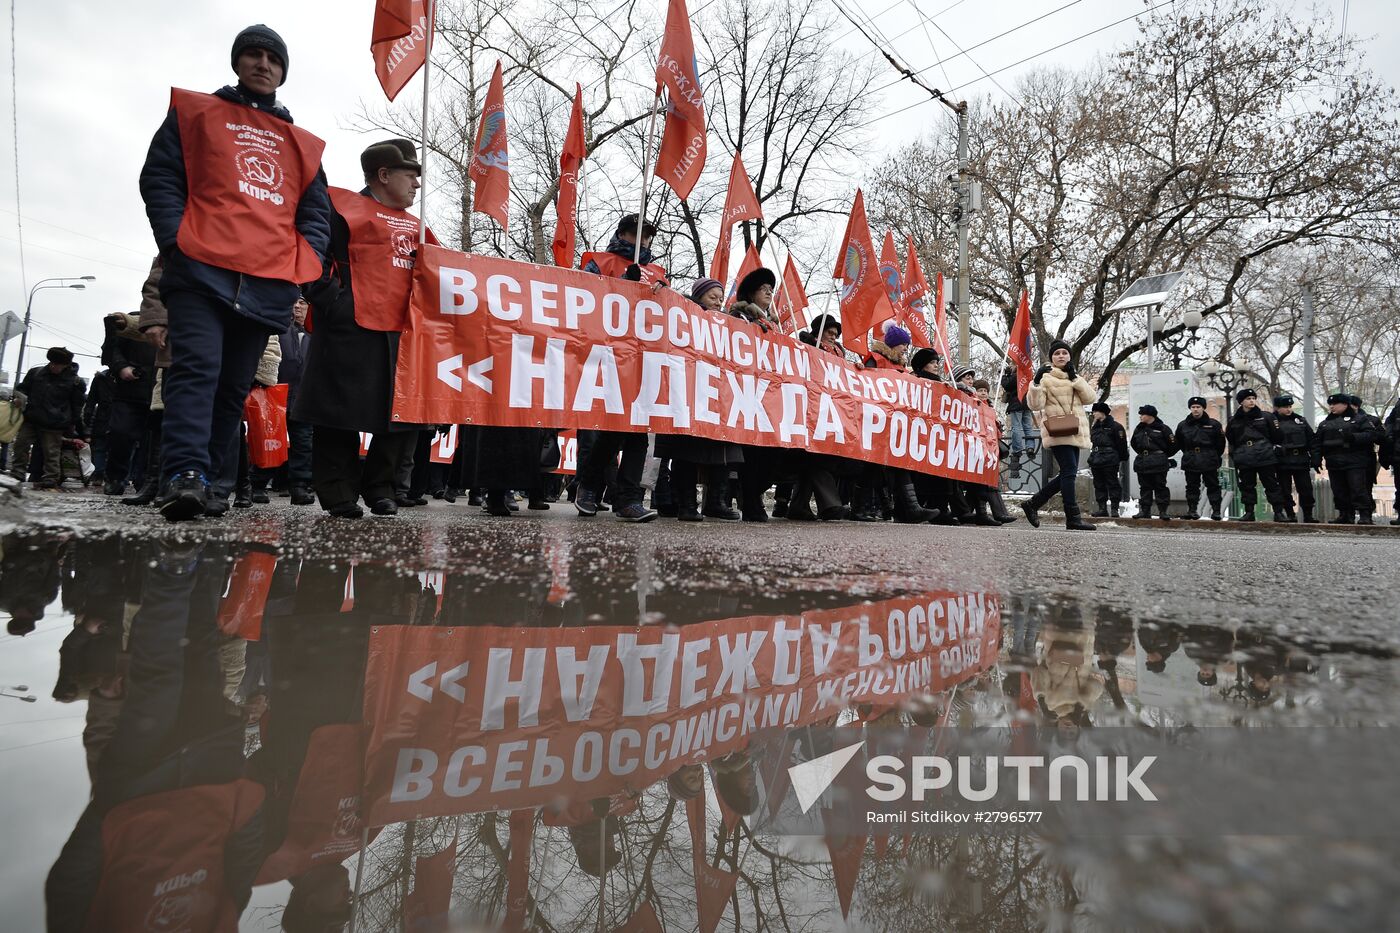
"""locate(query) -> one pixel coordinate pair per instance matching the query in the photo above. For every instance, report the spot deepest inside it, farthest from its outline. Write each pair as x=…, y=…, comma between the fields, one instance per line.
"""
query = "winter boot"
x=496, y=503
x=1032, y=513
x=1291, y=515
x=980, y=516
x=864, y=507
x=1074, y=521
x=1280, y=516
x=998, y=507
x=243, y=495
x=1114, y=509
x=687, y=500
x=799, y=506
x=1308, y=517
x=907, y=510
x=717, y=499
x=1162, y=508
x=1343, y=518
x=1102, y=510
x=1365, y=519
x=147, y=493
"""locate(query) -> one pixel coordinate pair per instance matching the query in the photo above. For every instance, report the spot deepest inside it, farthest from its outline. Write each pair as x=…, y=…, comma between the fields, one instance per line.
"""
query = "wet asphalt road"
x=1305, y=633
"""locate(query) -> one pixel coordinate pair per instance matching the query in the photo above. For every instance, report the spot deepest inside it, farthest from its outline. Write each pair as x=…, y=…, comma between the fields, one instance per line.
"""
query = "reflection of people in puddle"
x=1266, y=659
x=1064, y=681
x=28, y=579
x=1159, y=641
x=1209, y=646
x=593, y=826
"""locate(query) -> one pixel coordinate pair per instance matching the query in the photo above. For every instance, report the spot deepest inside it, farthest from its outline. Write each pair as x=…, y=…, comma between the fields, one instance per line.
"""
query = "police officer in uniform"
x=1295, y=437
x=1252, y=443
x=1109, y=449
x=1346, y=443
x=1390, y=451
x=1154, y=444
x=1201, y=440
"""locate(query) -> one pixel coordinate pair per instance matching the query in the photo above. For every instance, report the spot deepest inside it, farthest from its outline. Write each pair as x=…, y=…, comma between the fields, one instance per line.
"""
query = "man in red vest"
x=238, y=206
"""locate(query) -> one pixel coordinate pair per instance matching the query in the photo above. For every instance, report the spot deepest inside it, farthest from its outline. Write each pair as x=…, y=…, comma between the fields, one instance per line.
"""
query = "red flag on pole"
x=864, y=301
x=792, y=300
x=682, y=154
x=566, y=204
x=522, y=828
x=1019, y=347
x=889, y=271
x=398, y=42
x=940, y=326
x=490, y=166
x=750, y=263
x=915, y=297
x=739, y=204
x=713, y=886
x=427, y=906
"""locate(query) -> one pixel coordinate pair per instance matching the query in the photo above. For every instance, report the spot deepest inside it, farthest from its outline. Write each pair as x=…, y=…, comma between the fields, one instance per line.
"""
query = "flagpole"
x=431, y=7
x=359, y=877
x=646, y=168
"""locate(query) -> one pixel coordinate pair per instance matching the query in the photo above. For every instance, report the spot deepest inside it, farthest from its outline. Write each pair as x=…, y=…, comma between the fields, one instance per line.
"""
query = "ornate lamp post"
x=1178, y=343
x=1223, y=377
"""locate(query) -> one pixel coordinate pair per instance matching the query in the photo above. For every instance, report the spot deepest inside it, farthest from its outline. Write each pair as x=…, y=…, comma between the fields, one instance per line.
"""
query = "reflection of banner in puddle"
x=473, y=719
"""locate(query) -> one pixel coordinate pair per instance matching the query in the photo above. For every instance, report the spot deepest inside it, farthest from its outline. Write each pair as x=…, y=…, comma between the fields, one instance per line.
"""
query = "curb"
x=1277, y=528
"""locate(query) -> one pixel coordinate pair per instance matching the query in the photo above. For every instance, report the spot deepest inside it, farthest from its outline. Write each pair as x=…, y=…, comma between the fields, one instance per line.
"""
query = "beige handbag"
x=1062, y=425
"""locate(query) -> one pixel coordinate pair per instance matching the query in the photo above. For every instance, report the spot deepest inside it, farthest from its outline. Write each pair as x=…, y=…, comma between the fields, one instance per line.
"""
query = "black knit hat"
x=1283, y=401
x=1195, y=400
x=1058, y=345
x=1147, y=410
x=259, y=36
x=923, y=357
x=1101, y=406
x=1243, y=394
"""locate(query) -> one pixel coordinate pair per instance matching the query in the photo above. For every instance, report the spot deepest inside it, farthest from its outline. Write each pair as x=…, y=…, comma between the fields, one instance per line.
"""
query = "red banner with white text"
x=498, y=342
x=500, y=718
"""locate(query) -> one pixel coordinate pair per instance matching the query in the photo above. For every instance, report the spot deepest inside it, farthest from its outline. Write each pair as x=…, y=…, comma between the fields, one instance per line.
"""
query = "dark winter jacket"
x=1109, y=441
x=97, y=410
x=55, y=401
x=1345, y=441
x=1375, y=429
x=163, y=188
x=120, y=352
x=295, y=343
x=1390, y=446
x=1008, y=392
x=1154, y=445
x=1295, y=441
x=347, y=379
x=1201, y=442
x=1252, y=439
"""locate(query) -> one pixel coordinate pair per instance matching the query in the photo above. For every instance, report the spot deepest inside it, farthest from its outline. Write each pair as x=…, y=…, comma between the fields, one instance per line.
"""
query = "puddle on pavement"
x=223, y=736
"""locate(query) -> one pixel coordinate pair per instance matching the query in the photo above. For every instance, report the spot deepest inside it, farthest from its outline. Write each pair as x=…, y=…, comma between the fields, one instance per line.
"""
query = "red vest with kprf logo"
x=163, y=860
x=613, y=266
x=245, y=171
x=382, y=244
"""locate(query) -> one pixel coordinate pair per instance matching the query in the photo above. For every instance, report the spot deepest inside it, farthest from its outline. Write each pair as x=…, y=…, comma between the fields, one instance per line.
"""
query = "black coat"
x=1345, y=441
x=347, y=379
x=504, y=458
x=1154, y=444
x=1295, y=441
x=1390, y=445
x=1008, y=392
x=1109, y=441
x=55, y=400
x=140, y=354
x=97, y=410
x=163, y=188
x=1201, y=442
x=295, y=344
x=1252, y=439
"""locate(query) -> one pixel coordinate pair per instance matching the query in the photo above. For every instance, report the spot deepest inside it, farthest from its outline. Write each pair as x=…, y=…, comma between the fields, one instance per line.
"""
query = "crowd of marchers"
x=268, y=274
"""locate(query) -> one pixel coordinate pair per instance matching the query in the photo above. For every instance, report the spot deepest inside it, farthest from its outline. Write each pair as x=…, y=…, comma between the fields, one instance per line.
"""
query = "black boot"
x=907, y=510
x=1308, y=517
x=1114, y=509
x=243, y=495
x=1074, y=521
x=1291, y=516
x=1032, y=512
x=687, y=500
x=864, y=504
x=1280, y=516
x=799, y=506
x=717, y=499
x=1215, y=513
x=147, y=493
x=1343, y=518
x=980, y=516
x=1162, y=508
x=1365, y=519
x=998, y=507
x=496, y=503
x=1102, y=510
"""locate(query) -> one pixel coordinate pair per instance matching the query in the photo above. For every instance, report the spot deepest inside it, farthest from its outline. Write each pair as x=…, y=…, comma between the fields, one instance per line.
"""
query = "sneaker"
x=635, y=512
x=586, y=503
x=185, y=497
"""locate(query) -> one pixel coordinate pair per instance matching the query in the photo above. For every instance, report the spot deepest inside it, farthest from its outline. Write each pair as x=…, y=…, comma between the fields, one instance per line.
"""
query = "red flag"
x=792, y=300
x=643, y=921
x=427, y=906
x=241, y=610
x=398, y=42
x=522, y=828
x=915, y=297
x=713, y=886
x=889, y=271
x=739, y=204
x=750, y=263
x=1018, y=348
x=940, y=326
x=847, y=852
x=490, y=167
x=864, y=302
x=682, y=154
x=566, y=204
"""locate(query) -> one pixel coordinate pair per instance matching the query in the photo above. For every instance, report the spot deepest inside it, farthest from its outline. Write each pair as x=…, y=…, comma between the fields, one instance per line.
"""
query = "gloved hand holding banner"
x=496, y=342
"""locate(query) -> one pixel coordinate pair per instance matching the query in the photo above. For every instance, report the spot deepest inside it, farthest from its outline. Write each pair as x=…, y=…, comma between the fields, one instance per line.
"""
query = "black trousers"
x=1154, y=487
x=1194, y=479
x=337, y=474
x=125, y=428
x=1299, y=480
x=606, y=446
x=1351, y=489
x=1067, y=460
x=1107, y=484
x=1250, y=476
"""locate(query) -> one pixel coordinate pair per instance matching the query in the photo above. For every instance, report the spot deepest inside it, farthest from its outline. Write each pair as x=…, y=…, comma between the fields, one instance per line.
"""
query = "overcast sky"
x=94, y=82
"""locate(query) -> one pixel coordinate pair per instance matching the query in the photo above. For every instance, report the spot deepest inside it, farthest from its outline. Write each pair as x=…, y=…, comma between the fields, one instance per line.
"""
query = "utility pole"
x=967, y=198
x=1309, y=355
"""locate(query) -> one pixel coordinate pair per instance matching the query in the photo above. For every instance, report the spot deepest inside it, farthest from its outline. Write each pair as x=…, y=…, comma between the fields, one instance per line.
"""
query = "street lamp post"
x=1225, y=378
x=77, y=282
x=1178, y=343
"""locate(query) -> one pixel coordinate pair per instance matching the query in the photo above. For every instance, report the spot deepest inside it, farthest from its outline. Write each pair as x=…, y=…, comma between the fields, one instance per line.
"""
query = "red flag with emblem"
x=398, y=42
x=750, y=263
x=915, y=297
x=889, y=271
x=940, y=325
x=864, y=301
x=490, y=166
x=1019, y=347
x=791, y=302
x=740, y=204
x=566, y=204
x=682, y=154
